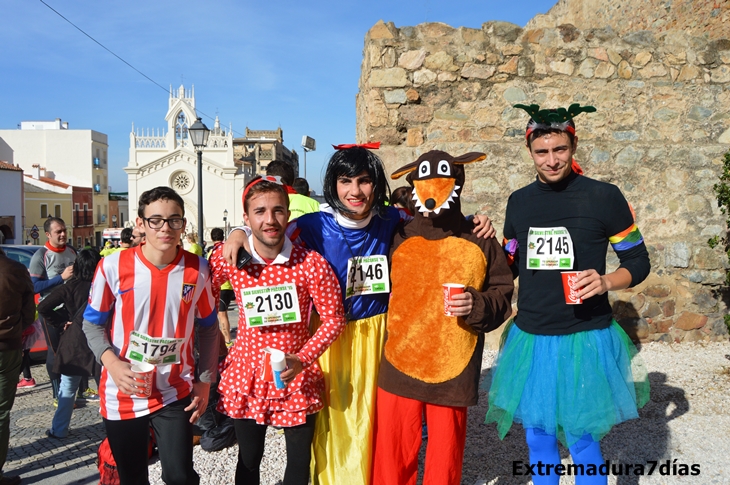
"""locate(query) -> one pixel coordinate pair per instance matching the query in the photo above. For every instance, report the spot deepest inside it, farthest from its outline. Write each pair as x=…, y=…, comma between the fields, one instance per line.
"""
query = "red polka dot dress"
x=244, y=392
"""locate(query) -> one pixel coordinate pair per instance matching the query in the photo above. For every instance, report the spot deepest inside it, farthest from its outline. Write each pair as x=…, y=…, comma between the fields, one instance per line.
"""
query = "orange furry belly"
x=423, y=343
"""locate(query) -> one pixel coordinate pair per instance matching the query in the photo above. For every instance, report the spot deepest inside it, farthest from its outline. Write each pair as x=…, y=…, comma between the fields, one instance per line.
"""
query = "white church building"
x=167, y=157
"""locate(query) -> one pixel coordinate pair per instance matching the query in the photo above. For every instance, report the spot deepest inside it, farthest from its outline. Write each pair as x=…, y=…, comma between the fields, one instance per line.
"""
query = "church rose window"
x=182, y=182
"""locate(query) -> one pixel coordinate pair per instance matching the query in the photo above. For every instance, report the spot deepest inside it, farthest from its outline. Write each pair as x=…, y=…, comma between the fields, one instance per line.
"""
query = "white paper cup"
x=144, y=373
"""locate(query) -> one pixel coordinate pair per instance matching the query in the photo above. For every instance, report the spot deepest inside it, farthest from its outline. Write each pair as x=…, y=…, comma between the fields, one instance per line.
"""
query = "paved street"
x=42, y=460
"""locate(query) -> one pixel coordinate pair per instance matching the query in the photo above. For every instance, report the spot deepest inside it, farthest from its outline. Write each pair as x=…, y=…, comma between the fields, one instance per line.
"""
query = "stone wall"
x=699, y=18
x=660, y=132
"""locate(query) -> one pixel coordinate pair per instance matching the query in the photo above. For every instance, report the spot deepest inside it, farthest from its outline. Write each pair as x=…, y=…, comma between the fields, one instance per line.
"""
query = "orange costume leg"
x=446, y=441
x=397, y=439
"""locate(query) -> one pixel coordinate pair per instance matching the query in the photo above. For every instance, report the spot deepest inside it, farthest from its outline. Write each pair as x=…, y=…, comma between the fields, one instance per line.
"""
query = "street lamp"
x=199, y=135
x=225, y=224
x=309, y=145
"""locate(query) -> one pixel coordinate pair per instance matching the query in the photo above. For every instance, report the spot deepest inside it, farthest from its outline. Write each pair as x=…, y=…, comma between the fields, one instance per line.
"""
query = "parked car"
x=23, y=254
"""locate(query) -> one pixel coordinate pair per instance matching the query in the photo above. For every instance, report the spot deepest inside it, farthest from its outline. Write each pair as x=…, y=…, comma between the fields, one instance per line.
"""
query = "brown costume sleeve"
x=493, y=302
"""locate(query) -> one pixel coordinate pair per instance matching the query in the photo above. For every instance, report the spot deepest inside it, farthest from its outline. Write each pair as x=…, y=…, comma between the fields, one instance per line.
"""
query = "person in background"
x=226, y=291
x=137, y=236
x=193, y=245
x=298, y=204
x=108, y=249
x=125, y=239
x=51, y=266
x=301, y=186
x=17, y=312
x=74, y=360
x=402, y=198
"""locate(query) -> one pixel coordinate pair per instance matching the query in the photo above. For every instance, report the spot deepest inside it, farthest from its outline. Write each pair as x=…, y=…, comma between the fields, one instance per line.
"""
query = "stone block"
x=652, y=310
x=506, y=31
x=416, y=114
x=624, y=70
x=394, y=77
x=699, y=113
x=412, y=95
x=514, y=95
x=668, y=308
x=563, y=67
x=605, y=70
x=690, y=321
x=658, y=291
x=446, y=77
x=663, y=326
x=534, y=36
x=435, y=30
x=720, y=74
x=381, y=31
x=666, y=115
x=694, y=336
x=688, y=73
x=652, y=70
x=377, y=113
x=705, y=301
x=510, y=67
x=423, y=77
x=386, y=135
x=414, y=137
x=642, y=59
x=477, y=71
x=525, y=67
x=440, y=61
x=395, y=96
x=636, y=328
x=629, y=156
x=587, y=68
x=512, y=50
x=599, y=53
x=568, y=32
x=614, y=56
x=450, y=114
x=697, y=203
x=677, y=255
x=642, y=38
x=412, y=60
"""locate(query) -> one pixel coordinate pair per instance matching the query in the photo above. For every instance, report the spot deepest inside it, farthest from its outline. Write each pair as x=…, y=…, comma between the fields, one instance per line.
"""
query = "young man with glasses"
x=151, y=295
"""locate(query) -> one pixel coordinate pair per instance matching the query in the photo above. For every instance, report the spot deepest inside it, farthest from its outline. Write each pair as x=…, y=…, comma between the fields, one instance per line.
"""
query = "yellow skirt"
x=342, y=446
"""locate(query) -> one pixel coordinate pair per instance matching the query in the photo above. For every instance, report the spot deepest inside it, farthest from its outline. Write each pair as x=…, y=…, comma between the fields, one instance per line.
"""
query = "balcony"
x=97, y=162
x=97, y=188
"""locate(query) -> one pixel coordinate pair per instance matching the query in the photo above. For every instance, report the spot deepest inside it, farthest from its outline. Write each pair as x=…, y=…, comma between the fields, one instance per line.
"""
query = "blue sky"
x=259, y=64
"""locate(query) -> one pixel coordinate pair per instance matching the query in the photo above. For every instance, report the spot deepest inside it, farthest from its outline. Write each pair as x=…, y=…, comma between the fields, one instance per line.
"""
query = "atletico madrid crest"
x=188, y=290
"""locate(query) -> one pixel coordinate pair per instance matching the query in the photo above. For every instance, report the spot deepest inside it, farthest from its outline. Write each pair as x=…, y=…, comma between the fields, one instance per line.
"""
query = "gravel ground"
x=686, y=422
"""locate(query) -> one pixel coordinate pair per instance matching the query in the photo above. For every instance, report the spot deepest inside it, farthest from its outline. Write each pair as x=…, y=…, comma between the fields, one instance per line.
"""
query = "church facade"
x=167, y=157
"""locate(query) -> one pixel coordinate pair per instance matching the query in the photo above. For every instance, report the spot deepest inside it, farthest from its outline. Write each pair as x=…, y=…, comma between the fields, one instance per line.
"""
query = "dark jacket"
x=17, y=304
x=74, y=357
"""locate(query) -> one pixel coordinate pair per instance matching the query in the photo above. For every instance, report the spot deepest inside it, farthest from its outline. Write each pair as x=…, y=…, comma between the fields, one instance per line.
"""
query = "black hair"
x=216, y=234
x=159, y=193
x=545, y=130
x=351, y=162
x=301, y=186
x=403, y=196
x=126, y=236
x=259, y=186
x=281, y=169
x=85, y=264
x=51, y=220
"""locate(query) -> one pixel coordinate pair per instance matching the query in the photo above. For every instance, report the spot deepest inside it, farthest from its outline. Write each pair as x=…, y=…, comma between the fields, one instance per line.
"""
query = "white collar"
x=346, y=222
x=281, y=258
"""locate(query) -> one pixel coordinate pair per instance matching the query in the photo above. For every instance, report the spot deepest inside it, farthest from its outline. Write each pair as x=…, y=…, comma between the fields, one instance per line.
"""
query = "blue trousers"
x=544, y=449
x=66, y=399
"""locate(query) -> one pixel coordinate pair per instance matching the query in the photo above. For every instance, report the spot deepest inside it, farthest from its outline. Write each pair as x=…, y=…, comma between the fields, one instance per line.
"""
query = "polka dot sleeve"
x=327, y=298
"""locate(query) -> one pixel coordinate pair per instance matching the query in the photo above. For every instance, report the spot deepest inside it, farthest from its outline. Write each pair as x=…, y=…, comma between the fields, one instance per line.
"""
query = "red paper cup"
x=144, y=373
x=451, y=289
x=571, y=295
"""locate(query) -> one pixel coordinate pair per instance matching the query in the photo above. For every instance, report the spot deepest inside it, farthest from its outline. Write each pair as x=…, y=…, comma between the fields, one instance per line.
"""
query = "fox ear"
x=404, y=170
x=470, y=157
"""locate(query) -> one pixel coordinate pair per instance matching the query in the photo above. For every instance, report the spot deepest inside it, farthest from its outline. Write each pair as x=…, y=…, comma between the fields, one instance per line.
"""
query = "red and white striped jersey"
x=161, y=303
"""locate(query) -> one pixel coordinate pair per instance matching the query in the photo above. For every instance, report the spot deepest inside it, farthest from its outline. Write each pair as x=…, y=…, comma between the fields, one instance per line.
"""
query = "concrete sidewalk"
x=39, y=459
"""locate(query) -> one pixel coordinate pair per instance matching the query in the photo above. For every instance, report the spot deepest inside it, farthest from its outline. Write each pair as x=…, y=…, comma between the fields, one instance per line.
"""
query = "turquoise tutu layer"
x=567, y=385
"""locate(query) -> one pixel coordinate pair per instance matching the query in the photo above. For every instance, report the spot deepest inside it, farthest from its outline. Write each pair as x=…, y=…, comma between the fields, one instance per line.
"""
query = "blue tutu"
x=567, y=385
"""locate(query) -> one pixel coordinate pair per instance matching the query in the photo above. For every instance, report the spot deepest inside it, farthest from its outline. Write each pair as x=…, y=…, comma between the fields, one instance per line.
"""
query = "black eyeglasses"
x=157, y=222
x=138, y=237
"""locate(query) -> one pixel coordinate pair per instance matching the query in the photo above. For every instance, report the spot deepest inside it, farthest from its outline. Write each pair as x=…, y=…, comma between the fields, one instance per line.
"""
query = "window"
x=78, y=241
x=44, y=211
x=57, y=210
